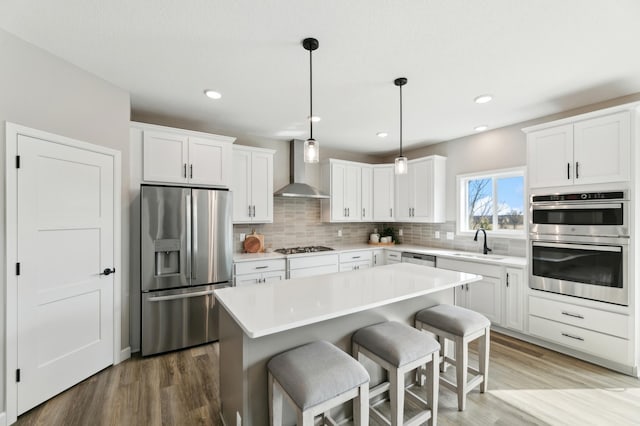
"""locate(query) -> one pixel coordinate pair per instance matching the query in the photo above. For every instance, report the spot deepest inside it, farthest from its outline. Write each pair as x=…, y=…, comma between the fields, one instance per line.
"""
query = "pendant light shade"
x=311, y=148
x=401, y=165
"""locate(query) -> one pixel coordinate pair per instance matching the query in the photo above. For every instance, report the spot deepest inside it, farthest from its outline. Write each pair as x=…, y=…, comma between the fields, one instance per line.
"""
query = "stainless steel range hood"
x=297, y=176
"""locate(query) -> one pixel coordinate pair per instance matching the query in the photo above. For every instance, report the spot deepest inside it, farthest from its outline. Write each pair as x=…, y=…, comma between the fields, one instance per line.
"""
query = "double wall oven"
x=580, y=244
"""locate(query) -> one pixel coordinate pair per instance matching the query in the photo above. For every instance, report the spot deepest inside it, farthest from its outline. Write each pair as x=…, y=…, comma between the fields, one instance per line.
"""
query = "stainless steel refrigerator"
x=186, y=237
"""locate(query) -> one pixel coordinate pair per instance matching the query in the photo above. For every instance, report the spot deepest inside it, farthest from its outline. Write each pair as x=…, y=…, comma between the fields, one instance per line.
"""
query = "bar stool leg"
x=275, y=407
x=361, y=406
x=484, y=360
x=396, y=395
x=462, y=360
x=433, y=379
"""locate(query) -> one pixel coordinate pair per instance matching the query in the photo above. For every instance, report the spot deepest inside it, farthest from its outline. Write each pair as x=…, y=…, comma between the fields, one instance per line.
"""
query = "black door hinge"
x=18, y=375
x=17, y=161
x=18, y=268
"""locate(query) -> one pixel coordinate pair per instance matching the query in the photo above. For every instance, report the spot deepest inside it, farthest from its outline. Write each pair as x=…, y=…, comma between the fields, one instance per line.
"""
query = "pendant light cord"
x=400, y=121
x=311, y=93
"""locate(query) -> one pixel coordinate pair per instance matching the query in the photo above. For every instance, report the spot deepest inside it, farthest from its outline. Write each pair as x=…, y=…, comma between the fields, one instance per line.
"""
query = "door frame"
x=11, y=243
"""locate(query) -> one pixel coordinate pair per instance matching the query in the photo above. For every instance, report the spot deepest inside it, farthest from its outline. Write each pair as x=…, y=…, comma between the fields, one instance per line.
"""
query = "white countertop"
x=495, y=259
x=264, y=309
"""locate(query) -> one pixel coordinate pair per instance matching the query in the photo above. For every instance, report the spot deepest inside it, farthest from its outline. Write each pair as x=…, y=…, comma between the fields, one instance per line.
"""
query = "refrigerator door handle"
x=188, y=229
x=181, y=296
x=194, y=238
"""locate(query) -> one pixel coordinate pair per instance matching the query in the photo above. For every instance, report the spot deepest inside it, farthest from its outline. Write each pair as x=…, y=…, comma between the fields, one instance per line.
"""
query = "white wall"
x=44, y=92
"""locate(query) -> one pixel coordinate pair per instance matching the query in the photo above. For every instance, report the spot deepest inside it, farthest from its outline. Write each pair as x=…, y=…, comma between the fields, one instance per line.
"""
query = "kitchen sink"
x=477, y=256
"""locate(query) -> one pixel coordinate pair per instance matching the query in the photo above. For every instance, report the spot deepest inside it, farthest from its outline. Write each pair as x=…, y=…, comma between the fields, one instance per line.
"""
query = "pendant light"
x=311, y=148
x=401, y=161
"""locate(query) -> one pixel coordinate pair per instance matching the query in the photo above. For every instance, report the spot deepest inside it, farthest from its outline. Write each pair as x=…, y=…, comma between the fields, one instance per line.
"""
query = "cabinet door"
x=460, y=295
x=241, y=186
x=268, y=277
x=602, y=149
x=338, y=207
x=485, y=297
x=550, y=157
x=352, y=192
x=165, y=157
x=262, y=187
x=366, y=194
x=404, y=194
x=378, y=257
x=514, y=299
x=422, y=185
x=248, y=279
x=209, y=162
x=383, y=193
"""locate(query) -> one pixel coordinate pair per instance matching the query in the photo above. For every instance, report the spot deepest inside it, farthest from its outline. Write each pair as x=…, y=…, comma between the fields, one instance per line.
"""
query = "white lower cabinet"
x=499, y=295
x=354, y=260
x=392, y=257
x=378, y=257
x=259, y=271
x=590, y=330
x=308, y=266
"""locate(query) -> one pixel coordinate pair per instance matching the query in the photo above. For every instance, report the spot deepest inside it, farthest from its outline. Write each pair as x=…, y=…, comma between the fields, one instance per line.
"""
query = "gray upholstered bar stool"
x=315, y=378
x=461, y=326
x=399, y=348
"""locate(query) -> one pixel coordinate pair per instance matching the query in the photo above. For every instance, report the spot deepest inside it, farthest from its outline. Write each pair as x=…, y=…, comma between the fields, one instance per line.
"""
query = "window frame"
x=494, y=175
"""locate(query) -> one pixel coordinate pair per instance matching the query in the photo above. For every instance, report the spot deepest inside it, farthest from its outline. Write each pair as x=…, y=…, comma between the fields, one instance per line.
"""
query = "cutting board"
x=254, y=243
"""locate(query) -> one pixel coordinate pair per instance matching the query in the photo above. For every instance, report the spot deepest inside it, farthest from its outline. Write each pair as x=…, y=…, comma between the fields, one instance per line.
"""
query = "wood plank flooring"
x=528, y=385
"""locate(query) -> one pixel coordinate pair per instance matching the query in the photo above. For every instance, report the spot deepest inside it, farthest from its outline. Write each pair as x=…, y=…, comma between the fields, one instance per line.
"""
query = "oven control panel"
x=582, y=196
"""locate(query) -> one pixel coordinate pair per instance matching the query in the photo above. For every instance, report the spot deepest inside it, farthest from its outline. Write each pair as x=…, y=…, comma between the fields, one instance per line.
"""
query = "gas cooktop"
x=308, y=249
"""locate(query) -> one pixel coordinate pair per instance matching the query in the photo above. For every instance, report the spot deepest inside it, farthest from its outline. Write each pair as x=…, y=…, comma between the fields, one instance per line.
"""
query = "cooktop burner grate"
x=307, y=249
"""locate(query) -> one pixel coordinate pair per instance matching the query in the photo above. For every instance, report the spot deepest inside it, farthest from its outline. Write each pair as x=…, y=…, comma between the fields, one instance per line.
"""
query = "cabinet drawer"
x=591, y=342
x=259, y=266
x=312, y=261
x=580, y=316
x=313, y=271
x=394, y=256
x=355, y=256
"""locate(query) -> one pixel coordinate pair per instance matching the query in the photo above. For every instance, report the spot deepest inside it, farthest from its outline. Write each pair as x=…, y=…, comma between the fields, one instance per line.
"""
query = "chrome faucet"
x=485, y=249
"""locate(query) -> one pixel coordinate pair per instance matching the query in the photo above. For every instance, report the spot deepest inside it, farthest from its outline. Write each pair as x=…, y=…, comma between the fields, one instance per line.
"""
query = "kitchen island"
x=259, y=321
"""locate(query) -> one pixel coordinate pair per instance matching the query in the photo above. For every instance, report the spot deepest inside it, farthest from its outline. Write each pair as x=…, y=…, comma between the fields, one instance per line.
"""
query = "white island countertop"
x=264, y=309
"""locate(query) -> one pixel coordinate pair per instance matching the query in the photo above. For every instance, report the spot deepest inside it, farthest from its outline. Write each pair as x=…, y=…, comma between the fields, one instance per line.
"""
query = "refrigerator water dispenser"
x=167, y=257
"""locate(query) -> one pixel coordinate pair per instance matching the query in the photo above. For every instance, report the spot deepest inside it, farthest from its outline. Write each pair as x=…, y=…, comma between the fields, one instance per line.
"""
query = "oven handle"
x=594, y=206
x=579, y=246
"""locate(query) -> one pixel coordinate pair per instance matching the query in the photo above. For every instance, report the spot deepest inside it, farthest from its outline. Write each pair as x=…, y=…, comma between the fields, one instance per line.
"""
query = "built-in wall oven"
x=579, y=245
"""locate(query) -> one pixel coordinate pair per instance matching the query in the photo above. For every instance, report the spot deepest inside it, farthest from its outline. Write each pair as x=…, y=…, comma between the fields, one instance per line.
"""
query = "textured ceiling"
x=535, y=57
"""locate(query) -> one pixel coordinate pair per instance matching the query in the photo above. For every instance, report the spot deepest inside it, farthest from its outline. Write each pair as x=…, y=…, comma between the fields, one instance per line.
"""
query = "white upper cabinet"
x=420, y=194
x=180, y=156
x=383, y=193
x=349, y=186
x=252, y=185
x=586, y=151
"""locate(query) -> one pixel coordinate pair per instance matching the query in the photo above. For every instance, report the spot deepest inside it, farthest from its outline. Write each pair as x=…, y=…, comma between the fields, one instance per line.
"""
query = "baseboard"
x=125, y=354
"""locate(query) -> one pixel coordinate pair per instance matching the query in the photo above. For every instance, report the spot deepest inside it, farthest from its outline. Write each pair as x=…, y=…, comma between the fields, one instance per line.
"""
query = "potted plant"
x=389, y=232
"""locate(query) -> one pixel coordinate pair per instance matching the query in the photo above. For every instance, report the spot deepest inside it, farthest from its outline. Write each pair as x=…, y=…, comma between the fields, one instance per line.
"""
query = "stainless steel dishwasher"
x=419, y=259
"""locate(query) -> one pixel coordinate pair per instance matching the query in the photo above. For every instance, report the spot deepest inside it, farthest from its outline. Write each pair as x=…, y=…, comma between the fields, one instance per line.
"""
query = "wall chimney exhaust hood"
x=297, y=176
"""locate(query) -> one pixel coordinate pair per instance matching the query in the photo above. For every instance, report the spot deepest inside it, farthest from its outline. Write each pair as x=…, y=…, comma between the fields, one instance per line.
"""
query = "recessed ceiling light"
x=483, y=99
x=481, y=128
x=212, y=94
x=382, y=134
x=314, y=118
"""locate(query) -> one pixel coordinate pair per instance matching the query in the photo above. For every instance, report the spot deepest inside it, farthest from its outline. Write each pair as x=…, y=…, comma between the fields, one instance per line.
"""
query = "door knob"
x=108, y=271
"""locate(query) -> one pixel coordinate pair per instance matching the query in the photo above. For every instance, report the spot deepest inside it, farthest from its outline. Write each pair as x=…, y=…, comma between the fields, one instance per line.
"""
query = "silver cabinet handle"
x=507, y=279
x=568, y=170
x=363, y=212
x=569, y=314
x=190, y=171
x=577, y=170
x=262, y=267
x=249, y=210
x=391, y=212
x=184, y=171
x=254, y=211
x=573, y=337
x=375, y=259
x=345, y=212
x=348, y=212
x=355, y=257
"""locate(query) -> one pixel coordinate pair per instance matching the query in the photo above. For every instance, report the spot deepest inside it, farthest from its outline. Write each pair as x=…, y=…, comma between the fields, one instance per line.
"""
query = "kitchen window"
x=493, y=200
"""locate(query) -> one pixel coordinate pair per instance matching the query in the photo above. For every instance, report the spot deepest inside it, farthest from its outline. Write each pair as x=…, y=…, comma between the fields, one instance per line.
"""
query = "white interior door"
x=65, y=234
